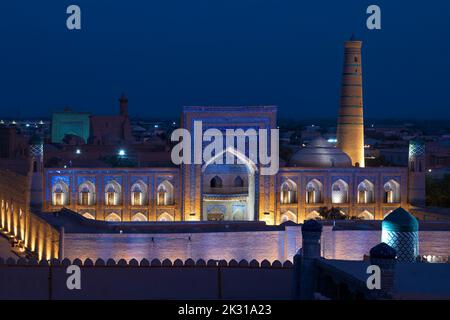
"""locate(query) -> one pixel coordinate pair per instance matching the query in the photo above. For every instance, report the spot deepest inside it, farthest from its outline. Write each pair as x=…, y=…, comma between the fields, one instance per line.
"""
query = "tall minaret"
x=416, y=176
x=36, y=172
x=123, y=104
x=350, y=128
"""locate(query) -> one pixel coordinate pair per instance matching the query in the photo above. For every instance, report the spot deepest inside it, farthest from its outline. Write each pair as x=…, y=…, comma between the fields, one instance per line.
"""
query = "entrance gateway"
x=232, y=191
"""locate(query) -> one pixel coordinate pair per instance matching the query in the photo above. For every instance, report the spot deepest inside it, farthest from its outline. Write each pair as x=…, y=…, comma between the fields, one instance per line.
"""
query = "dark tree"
x=438, y=191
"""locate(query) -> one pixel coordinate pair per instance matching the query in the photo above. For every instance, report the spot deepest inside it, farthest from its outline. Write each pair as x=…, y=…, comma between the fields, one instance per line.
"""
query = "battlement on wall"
x=146, y=279
x=189, y=263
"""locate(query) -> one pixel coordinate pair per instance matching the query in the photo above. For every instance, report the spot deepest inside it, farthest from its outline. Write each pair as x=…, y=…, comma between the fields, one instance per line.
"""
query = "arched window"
x=216, y=182
x=313, y=215
x=139, y=217
x=113, y=217
x=288, y=192
x=366, y=192
x=387, y=212
x=86, y=194
x=60, y=194
x=366, y=215
x=165, y=217
x=288, y=216
x=339, y=192
x=392, y=192
x=314, y=191
x=238, y=182
x=239, y=213
x=87, y=215
x=139, y=194
x=113, y=194
x=165, y=194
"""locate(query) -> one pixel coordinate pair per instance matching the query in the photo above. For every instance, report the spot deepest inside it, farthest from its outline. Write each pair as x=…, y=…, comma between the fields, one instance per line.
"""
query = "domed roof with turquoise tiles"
x=400, y=220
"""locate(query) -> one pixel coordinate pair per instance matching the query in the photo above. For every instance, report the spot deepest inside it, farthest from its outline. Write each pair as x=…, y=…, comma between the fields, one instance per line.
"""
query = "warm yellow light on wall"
x=40, y=247
x=22, y=232
x=268, y=218
x=48, y=253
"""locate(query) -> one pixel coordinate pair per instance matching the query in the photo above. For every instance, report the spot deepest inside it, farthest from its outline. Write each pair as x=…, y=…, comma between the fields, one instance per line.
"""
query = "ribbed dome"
x=320, y=154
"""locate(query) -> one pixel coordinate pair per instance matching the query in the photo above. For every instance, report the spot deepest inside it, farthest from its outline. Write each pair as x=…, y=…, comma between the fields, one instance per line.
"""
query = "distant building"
x=12, y=144
x=13, y=150
x=113, y=129
x=70, y=123
x=395, y=156
x=100, y=130
x=438, y=154
x=315, y=177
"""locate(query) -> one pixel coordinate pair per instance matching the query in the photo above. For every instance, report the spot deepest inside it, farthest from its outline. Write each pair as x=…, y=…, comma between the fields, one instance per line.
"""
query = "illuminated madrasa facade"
x=317, y=176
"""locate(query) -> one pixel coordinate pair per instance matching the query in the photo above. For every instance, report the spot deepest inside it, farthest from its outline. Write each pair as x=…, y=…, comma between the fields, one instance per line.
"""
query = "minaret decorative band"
x=416, y=148
x=350, y=128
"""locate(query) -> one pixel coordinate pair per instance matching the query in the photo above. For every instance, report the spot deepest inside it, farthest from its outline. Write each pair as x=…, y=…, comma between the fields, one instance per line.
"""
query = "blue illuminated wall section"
x=70, y=123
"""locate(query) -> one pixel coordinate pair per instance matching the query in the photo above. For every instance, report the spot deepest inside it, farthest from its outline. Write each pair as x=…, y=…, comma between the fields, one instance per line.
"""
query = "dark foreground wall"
x=148, y=280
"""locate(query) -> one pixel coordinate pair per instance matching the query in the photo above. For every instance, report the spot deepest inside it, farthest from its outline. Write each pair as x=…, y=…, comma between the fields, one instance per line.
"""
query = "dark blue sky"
x=168, y=53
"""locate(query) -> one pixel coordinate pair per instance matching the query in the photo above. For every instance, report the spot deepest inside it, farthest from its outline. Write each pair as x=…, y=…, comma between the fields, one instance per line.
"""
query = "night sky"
x=168, y=53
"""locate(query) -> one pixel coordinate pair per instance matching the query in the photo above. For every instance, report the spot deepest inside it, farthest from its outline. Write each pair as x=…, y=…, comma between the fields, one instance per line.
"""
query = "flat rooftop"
x=76, y=223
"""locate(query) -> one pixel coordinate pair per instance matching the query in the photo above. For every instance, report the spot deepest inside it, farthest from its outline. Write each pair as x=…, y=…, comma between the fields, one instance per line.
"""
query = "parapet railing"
x=226, y=190
x=147, y=263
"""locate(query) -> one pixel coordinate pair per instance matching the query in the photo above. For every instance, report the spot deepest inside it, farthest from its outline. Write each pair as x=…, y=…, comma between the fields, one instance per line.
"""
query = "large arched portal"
x=228, y=190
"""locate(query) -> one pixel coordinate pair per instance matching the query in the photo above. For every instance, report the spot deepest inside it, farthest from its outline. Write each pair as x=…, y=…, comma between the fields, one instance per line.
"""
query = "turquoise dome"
x=400, y=220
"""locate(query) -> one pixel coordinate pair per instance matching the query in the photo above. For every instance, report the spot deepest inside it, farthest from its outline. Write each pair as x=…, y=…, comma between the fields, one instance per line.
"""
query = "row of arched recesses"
x=364, y=215
x=216, y=182
x=113, y=194
x=314, y=215
x=136, y=217
x=339, y=192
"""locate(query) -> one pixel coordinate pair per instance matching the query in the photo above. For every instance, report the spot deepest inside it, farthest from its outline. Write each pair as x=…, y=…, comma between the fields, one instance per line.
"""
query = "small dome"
x=400, y=220
x=383, y=251
x=312, y=226
x=320, y=154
